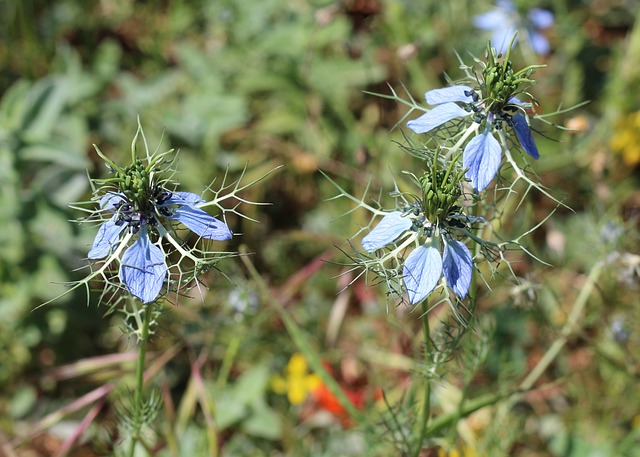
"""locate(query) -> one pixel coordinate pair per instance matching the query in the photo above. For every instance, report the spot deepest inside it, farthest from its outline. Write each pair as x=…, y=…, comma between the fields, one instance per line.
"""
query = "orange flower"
x=328, y=401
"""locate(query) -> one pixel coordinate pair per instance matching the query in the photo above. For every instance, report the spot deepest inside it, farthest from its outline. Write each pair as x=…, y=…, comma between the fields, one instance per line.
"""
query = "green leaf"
x=264, y=423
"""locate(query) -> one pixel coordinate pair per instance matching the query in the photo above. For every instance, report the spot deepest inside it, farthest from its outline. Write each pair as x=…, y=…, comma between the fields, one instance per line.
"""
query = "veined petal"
x=421, y=272
x=388, y=229
x=106, y=239
x=448, y=94
x=540, y=18
x=143, y=268
x=183, y=198
x=523, y=132
x=457, y=266
x=482, y=158
x=201, y=223
x=436, y=117
x=490, y=20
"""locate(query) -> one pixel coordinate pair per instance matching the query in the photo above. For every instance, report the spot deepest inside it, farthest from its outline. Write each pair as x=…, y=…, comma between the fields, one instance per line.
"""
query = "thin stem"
x=426, y=401
x=138, y=399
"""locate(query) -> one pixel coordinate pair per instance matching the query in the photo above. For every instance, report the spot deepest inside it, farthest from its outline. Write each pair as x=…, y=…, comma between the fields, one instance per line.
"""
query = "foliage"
x=546, y=364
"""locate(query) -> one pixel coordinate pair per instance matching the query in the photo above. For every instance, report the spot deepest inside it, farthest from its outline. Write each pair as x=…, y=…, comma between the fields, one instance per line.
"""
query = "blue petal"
x=110, y=200
x=201, y=223
x=502, y=37
x=490, y=20
x=506, y=5
x=388, y=229
x=517, y=101
x=523, y=132
x=106, y=239
x=183, y=198
x=143, y=269
x=421, y=272
x=541, y=19
x=436, y=117
x=482, y=158
x=448, y=94
x=457, y=266
x=539, y=43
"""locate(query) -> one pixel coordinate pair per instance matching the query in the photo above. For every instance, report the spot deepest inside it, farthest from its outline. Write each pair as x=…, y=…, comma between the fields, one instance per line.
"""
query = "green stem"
x=426, y=401
x=138, y=399
x=227, y=362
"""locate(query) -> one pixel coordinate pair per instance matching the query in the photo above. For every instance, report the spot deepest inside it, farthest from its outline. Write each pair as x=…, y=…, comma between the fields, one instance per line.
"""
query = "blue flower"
x=504, y=21
x=142, y=267
x=482, y=154
x=424, y=266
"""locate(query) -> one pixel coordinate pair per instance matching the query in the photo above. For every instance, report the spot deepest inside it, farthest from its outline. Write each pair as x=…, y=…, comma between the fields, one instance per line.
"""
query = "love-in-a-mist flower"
x=488, y=106
x=504, y=21
x=431, y=225
x=142, y=212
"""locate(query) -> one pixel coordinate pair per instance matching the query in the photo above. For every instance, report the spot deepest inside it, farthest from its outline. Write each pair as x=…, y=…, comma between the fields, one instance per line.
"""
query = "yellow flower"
x=626, y=139
x=296, y=383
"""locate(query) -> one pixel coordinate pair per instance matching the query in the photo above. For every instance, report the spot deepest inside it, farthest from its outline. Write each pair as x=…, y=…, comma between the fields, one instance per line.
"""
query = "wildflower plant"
x=430, y=246
x=504, y=22
x=152, y=245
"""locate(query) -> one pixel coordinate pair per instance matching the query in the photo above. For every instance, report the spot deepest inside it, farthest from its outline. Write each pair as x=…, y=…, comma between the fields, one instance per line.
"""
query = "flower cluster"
x=489, y=106
x=425, y=239
x=504, y=21
x=431, y=224
x=142, y=210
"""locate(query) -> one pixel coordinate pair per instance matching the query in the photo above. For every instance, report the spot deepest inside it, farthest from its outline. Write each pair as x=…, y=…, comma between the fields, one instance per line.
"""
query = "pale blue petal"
x=388, y=229
x=106, y=239
x=539, y=43
x=457, y=266
x=517, y=101
x=540, y=18
x=490, y=20
x=506, y=5
x=436, y=117
x=421, y=272
x=448, y=94
x=523, y=132
x=201, y=223
x=502, y=37
x=110, y=200
x=183, y=198
x=482, y=158
x=143, y=268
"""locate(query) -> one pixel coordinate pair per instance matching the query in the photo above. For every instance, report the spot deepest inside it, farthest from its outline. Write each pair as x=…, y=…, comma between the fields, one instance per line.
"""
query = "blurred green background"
x=258, y=84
